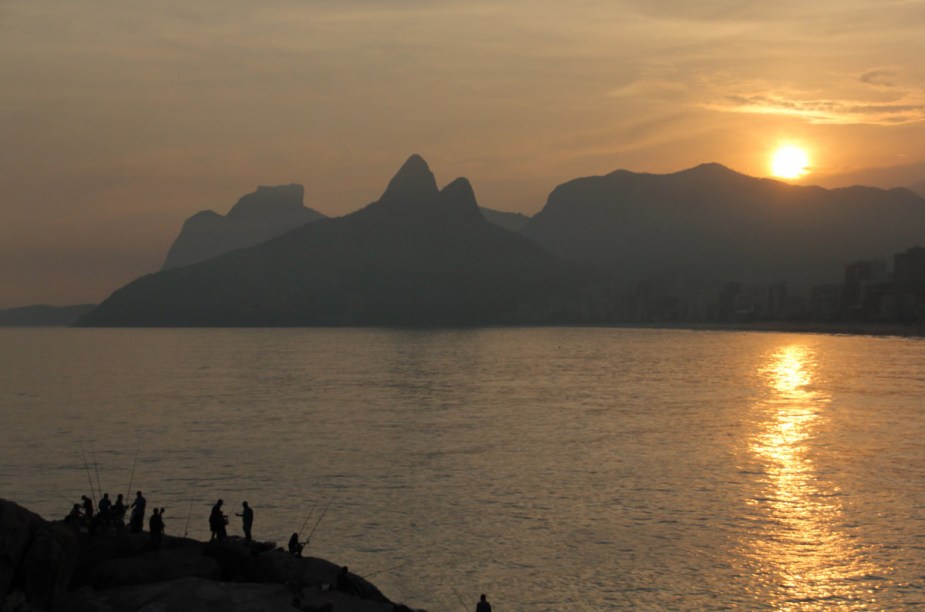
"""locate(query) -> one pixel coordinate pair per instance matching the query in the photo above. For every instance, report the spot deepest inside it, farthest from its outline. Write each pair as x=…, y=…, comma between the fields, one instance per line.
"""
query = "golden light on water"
x=801, y=551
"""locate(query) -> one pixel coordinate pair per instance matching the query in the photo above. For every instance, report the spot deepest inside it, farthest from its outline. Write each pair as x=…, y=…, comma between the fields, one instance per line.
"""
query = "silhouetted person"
x=137, y=521
x=118, y=513
x=88, y=507
x=74, y=517
x=247, y=520
x=295, y=547
x=344, y=582
x=156, y=527
x=483, y=605
x=88, y=513
x=105, y=507
x=217, y=522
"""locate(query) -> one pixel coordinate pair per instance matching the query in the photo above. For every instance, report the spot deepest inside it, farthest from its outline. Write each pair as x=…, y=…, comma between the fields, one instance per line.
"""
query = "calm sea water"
x=553, y=469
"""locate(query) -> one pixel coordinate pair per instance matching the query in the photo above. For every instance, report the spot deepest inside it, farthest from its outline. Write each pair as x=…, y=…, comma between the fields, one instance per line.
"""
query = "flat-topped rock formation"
x=52, y=566
x=257, y=217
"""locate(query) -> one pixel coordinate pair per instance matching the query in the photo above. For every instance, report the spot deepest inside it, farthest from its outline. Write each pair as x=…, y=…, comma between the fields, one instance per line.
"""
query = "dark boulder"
x=37, y=559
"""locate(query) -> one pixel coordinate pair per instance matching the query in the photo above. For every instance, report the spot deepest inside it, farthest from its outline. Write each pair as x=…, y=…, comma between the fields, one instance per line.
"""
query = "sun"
x=789, y=162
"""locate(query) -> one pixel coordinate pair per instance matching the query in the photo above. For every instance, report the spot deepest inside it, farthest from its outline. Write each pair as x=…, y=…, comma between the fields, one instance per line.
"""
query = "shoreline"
x=797, y=327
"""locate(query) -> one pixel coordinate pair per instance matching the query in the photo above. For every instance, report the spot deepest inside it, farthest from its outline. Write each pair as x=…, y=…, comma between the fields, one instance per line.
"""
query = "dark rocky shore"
x=52, y=566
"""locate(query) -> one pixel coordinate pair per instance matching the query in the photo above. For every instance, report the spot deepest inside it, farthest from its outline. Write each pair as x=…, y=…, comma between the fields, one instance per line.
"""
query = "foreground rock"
x=37, y=560
x=49, y=566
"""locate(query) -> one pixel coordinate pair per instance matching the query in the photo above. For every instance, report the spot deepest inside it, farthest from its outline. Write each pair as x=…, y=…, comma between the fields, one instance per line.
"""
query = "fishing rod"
x=461, y=601
x=89, y=480
x=321, y=516
x=96, y=466
x=306, y=519
x=132, y=478
x=188, y=513
x=388, y=569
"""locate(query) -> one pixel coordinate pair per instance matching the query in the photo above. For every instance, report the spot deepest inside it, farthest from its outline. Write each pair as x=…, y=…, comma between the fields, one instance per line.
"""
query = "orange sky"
x=121, y=119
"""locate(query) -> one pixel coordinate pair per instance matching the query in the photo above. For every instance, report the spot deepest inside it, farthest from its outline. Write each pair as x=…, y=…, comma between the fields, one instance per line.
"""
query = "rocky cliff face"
x=257, y=217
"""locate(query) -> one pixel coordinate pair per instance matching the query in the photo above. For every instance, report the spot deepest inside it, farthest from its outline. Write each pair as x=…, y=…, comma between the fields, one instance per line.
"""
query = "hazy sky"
x=119, y=119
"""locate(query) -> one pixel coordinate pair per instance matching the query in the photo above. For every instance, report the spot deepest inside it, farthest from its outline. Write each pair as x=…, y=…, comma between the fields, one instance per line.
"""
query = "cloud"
x=883, y=77
x=878, y=96
x=650, y=89
x=828, y=111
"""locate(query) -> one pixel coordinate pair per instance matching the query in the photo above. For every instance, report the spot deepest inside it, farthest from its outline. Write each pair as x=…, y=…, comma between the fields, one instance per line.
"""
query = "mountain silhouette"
x=417, y=256
x=508, y=220
x=43, y=315
x=257, y=217
x=918, y=187
x=714, y=225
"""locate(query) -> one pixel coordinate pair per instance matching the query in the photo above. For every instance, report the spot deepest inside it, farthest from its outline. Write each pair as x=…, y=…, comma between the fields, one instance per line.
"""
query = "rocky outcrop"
x=37, y=560
x=49, y=566
x=257, y=217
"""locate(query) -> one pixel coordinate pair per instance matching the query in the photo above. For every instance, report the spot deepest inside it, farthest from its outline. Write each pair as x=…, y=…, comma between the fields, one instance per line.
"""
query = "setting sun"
x=789, y=162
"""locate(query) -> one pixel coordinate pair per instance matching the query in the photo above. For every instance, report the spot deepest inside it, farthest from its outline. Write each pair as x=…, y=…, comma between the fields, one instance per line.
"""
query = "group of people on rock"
x=83, y=515
x=218, y=521
x=113, y=515
x=108, y=514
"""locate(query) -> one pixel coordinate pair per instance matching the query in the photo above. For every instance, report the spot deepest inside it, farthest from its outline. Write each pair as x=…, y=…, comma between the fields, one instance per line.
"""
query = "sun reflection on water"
x=802, y=553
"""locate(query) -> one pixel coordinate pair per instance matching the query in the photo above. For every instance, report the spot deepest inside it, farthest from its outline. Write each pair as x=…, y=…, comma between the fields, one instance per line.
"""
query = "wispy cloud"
x=882, y=77
x=828, y=111
x=879, y=96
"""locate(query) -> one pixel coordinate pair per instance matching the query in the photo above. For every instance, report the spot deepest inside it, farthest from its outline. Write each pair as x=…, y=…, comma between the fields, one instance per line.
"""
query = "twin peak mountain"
x=421, y=255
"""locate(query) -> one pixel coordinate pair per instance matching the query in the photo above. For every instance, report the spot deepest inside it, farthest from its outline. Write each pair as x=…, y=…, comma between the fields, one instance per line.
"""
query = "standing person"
x=156, y=527
x=118, y=513
x=88, y=507
x=137, y=521
x=344, y=582
x=217, y=522
x=105, y=507
x=105, y=512
x=88, y=514
x=483, y=605
x=247, y=520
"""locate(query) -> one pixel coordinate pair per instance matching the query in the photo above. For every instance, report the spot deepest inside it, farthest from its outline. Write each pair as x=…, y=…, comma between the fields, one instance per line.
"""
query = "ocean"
x=549, y=468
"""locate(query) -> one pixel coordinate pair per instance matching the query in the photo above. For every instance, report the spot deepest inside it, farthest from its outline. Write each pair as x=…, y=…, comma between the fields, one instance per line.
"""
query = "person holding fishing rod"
x=118, y=514
x=136, y=522
x=295, y=544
